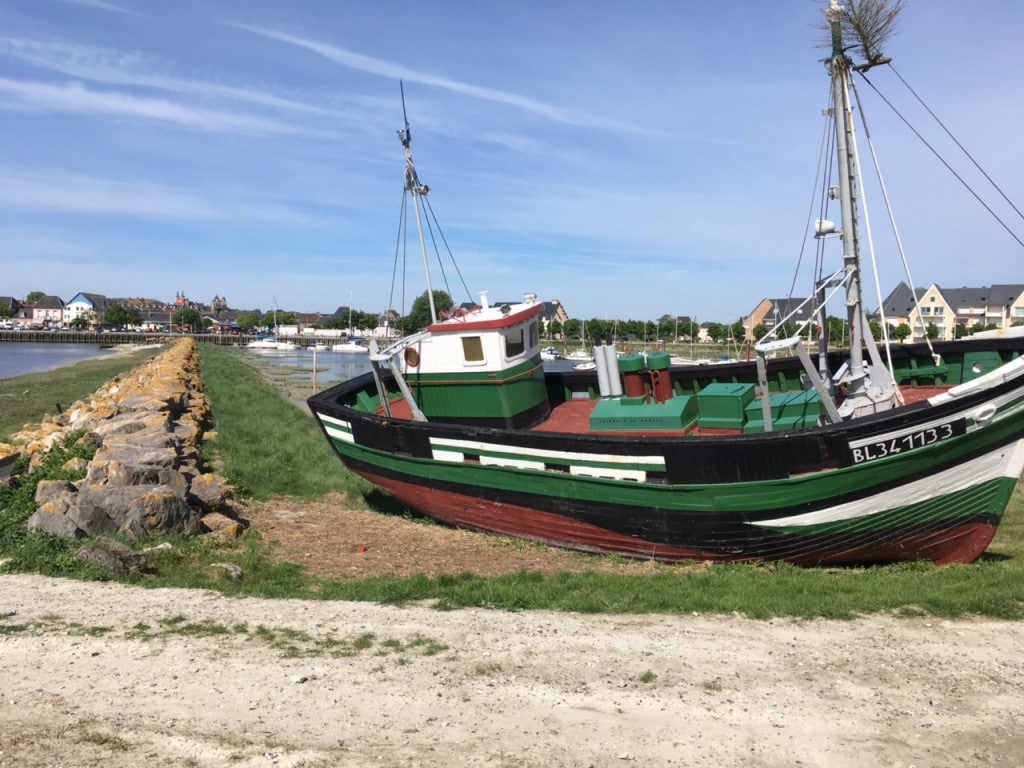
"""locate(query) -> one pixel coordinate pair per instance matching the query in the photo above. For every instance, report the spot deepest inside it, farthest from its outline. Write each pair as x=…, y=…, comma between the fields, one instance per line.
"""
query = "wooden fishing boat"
x=878, y=453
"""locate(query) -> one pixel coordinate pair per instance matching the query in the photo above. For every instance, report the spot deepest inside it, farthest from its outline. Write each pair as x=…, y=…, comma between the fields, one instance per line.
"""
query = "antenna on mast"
x=417, y=189
x=405, y=135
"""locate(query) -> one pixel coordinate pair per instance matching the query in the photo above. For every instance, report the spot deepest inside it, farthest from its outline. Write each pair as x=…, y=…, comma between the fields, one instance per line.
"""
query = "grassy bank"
x=266, y=446
x=26, y=399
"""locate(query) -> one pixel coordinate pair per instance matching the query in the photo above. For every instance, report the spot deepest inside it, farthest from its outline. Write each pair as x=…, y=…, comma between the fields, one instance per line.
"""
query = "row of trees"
x=671, y=327
x=666, y=328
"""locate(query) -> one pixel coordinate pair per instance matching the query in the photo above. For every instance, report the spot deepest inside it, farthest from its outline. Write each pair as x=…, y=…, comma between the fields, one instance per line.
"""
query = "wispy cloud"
x=100, y=4
x=58, y=191
x=76, y=98
x=375, y=66
x=109, y=67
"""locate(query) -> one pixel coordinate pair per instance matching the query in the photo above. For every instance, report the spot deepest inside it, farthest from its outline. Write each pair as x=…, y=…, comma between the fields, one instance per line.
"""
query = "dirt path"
x=331, y=539
x=108, y=675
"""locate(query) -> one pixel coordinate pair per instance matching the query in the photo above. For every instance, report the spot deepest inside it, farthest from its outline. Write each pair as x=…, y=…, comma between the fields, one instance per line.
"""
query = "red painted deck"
x=573, y=416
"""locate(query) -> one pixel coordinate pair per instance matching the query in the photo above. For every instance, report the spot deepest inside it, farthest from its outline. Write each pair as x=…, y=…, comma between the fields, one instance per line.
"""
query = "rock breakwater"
x=146, y=477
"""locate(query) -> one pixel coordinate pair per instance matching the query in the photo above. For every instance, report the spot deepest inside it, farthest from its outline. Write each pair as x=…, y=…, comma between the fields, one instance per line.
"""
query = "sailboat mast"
x=416, y=189
x=839, y=68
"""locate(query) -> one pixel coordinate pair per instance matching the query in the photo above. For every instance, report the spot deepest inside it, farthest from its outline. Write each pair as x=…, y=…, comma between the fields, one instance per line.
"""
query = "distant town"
x=96, y=312
x=913, y=315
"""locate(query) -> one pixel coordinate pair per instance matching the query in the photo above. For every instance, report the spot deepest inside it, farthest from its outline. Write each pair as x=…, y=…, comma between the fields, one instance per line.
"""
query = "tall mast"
x=869, y=385
x=416, y=189
x=839, y=68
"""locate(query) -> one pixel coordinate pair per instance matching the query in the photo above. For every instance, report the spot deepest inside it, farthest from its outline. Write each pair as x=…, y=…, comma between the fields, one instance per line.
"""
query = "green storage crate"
x=722, y=405
x=790, y=410
x=635, y=414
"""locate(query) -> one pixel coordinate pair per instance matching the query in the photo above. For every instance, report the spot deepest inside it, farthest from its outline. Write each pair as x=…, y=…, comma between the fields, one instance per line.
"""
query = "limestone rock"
x=112, y=556
x=209, y=492
x=77, y=465
x=231, y=570
x=223, y=526
x=50, y=490
x=145, y=478
x=52, y=517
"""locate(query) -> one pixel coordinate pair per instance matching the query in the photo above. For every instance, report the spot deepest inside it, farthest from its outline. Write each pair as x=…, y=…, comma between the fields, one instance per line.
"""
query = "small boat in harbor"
x=581, y=356
x=352, y=346
x=272, y=344
x=265, y=343
x=880, y=453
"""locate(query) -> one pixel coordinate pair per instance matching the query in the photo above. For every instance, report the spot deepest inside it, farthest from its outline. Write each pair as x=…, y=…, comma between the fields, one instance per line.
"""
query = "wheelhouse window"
x=534, y=334
x=514, y=344
x=472, y=349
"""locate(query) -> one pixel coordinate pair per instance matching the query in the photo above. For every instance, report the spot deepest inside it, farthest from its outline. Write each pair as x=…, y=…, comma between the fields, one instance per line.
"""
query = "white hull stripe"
x=542, y=454
x=331, y=420
x=337, y=429
x=975, y=416
x=1000, y=375
x=1007, y=461
x=339, y=434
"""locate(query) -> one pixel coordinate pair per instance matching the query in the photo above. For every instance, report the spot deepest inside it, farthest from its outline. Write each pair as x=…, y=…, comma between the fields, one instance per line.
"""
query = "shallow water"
x=18, y=357
x=298, y=365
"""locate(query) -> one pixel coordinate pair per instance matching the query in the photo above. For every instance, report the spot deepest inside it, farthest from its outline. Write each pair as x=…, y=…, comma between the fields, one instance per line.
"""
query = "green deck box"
x=722, y=405
x=636, y=414
x=790, y=410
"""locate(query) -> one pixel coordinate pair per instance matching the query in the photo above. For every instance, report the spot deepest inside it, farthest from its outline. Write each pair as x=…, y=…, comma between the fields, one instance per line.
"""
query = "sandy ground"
x=103, y=674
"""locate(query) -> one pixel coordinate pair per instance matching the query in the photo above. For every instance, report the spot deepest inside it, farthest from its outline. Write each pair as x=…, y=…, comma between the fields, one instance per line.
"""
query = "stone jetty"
x=146, y=477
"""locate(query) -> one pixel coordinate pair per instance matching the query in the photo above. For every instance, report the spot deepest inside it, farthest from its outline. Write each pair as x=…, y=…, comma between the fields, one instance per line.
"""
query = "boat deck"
x=573, y=417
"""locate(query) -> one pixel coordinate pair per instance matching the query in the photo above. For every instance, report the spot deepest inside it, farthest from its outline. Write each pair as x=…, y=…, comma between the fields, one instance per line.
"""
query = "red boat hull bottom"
x=960, y=544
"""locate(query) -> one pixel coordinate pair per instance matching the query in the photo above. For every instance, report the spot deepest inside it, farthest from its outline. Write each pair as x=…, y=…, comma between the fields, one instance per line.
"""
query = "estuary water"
x=18, y=357
x=331, y=367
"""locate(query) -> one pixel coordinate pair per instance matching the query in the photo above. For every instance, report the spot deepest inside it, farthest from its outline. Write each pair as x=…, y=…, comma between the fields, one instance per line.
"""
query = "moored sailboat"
x=879, y=454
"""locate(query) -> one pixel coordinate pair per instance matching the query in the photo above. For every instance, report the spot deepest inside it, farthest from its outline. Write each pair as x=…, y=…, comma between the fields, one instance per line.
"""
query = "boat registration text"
x=908, y=441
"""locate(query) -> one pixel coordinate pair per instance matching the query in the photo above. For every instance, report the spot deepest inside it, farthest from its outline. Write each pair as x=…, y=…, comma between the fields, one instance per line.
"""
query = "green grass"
x=26, y=399
x=40, y=553
x=269, y=447
x=265, y=445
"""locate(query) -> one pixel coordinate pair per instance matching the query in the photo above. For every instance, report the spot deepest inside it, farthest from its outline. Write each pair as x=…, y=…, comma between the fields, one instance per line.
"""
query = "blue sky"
x=629, y=159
